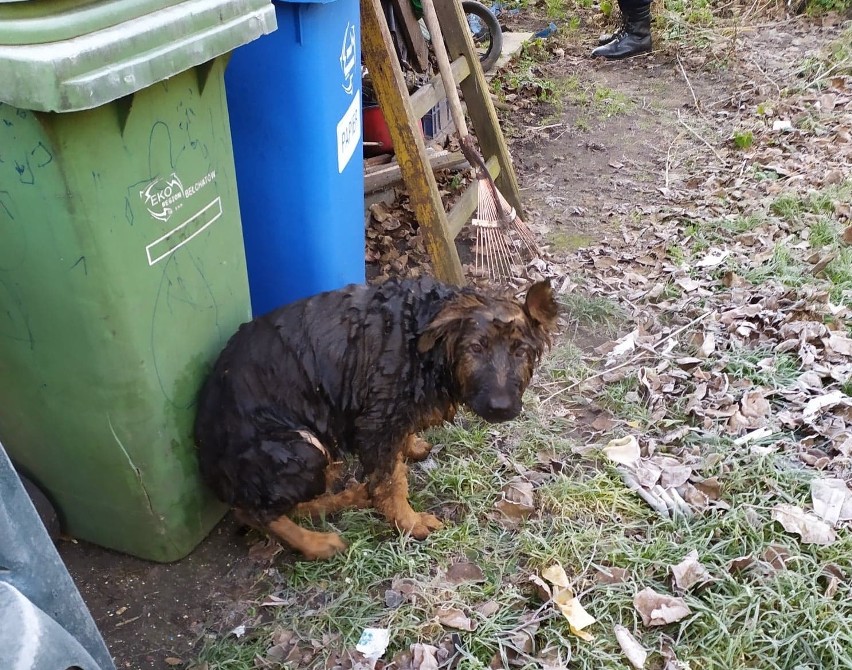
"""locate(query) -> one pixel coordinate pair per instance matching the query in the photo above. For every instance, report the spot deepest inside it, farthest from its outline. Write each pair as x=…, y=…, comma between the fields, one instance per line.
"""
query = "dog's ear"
x=540, y=305
x=447, y=324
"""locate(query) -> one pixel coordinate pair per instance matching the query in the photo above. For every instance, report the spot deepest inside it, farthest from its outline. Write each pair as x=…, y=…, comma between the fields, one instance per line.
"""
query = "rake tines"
x=500, y=235
x=494, y=256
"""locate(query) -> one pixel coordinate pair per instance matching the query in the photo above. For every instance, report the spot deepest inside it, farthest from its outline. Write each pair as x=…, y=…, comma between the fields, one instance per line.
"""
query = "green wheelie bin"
x=122, y=266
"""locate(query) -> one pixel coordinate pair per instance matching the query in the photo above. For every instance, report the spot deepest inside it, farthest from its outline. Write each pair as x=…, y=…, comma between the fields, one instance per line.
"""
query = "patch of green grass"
x=582, y=124
x=815, y=211
x=610, y=102
x=567, y=241
x=763, y=367
x=839, y=273
x=565, y=363
x=585, y=518
x=782, y=267
x=822, y=233
x=601, y=101
x=555, y=9
x=834, y=59
x=743, y=139
x=624, y=400
x=816, y=7
x=597, y=311
x=741, y=223
x=676, y=254
x=788, y=206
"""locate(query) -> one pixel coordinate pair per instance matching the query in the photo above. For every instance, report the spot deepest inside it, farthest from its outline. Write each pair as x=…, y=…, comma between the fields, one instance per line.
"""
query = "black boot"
x=633, y=39
x=606, y=39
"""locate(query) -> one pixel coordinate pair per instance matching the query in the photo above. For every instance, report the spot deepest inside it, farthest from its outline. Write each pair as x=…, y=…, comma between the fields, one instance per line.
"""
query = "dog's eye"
x=476, y=347
x=520, y=351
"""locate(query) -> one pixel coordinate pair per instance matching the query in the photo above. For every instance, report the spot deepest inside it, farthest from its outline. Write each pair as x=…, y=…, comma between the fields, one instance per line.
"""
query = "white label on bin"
x=349, y=132
x=177, y=237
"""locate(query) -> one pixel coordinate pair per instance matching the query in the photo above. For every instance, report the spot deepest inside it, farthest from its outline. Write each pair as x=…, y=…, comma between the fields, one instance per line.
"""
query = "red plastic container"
x=376, y=130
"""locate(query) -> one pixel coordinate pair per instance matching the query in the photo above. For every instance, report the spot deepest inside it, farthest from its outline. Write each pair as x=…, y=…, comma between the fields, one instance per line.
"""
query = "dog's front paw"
x=323, y=545
x=419, y=525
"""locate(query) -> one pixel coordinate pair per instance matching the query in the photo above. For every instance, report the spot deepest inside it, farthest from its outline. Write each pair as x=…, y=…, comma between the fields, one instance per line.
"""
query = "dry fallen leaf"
x=611, y=575
x=573, y=611
x=673, y=473
x=555, y=574
x=776, y=556
x=171, y=660
x=518, y=501
x=690, y=572
x=465, y=571
x=657, y=609
x=541, y=587
x=455, y=618
x=624, y=345
x=624, y=450
x=423, y=657
x=635, y=652
x=564, y=598
x=809, y=527
x=740, y=563
x=815, y=405
x=834, y=576
x=832, y=500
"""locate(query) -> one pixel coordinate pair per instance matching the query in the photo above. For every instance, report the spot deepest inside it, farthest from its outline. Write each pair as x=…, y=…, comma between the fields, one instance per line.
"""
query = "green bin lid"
x=69, y=55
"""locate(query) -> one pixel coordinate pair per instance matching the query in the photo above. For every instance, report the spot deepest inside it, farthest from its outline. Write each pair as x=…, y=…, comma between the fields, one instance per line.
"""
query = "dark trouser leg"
x=634, y=37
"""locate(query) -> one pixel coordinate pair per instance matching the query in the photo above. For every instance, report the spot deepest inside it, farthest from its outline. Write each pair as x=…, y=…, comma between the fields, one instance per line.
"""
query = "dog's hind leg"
x=416, y=448
x=312, y=544
x=280, y=471
x=353, y=497
x=390, y=498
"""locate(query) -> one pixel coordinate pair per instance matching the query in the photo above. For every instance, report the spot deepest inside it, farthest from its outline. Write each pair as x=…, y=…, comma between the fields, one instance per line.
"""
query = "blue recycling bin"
x=294, y=99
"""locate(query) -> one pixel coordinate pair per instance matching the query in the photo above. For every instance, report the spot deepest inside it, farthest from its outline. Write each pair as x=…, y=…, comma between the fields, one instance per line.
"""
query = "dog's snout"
x=497, y=407
x=501, y=403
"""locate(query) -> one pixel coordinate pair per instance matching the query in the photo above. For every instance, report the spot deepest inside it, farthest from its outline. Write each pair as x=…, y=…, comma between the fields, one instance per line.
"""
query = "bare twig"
x=552, y=125
x=669, y=158
x=768, y=78
x=689, y=84
x=632, y=360
x=695, y=134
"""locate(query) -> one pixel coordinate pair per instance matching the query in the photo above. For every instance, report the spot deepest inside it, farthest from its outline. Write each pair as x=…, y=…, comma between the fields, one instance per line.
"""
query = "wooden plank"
x=392, y=94
x=463, y=210
x=429, y=95
x=481, y=110
x=411, y=34
x=390, y=174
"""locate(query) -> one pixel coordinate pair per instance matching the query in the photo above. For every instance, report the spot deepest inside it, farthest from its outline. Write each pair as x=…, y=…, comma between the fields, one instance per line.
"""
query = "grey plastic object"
x=44, y=623
x=113, y=61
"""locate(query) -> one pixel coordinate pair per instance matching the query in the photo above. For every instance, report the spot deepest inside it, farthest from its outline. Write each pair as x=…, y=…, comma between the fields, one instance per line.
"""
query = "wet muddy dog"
x=358, y=371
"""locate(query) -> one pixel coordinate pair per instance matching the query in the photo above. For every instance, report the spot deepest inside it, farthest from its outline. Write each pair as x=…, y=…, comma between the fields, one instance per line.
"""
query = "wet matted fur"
x=358, y=371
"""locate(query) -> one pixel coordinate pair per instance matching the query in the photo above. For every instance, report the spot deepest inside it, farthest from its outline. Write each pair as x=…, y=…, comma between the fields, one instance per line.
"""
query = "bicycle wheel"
x=486, y=33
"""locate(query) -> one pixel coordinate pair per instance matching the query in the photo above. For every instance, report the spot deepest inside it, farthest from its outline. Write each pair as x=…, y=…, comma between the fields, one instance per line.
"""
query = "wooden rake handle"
x=434, y=27
x=465, y=140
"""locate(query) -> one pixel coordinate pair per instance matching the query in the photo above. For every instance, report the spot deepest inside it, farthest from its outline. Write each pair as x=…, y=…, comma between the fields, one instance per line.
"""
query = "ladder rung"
x=429, y=95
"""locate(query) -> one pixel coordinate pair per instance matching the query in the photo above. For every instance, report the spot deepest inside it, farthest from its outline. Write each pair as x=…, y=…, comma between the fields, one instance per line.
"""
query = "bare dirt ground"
x=585, y=169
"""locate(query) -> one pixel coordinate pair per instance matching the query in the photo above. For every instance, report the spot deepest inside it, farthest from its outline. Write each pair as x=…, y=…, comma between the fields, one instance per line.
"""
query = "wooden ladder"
x=403, y=112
